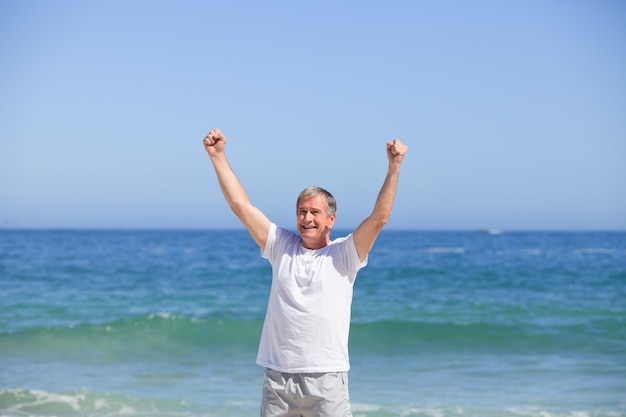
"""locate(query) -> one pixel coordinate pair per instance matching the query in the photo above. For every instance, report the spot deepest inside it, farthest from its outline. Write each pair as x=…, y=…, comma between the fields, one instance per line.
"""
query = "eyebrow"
x=311, y=209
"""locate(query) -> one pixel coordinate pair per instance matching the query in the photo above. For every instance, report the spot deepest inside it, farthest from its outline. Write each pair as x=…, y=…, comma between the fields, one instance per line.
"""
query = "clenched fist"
x=214, y=142
x=396, y=151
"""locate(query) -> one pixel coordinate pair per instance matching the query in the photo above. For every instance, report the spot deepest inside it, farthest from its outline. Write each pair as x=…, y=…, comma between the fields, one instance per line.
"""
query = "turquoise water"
x=166, y=323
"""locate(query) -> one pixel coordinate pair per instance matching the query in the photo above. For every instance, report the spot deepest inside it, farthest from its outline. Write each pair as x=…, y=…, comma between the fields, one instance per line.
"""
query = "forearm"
x=386, y=196
x=366, y=233
x=233, y=191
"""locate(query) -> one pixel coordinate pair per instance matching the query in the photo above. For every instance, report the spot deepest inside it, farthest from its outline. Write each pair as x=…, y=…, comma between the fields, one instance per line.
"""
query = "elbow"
x=380, y=222
x=237, y=207
x=380, y=215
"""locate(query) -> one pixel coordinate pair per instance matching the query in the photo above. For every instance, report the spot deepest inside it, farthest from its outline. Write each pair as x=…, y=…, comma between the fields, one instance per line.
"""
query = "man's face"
x=313, y=223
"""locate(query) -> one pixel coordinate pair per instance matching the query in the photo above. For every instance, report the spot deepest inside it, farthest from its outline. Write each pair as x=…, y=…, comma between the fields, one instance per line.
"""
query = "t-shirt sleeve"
x=356, y=254
x=267, y=251
x=279, y=241
x=351, y=256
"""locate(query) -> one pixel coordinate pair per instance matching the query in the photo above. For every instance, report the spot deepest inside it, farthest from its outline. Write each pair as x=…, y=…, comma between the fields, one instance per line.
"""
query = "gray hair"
x=312, y=191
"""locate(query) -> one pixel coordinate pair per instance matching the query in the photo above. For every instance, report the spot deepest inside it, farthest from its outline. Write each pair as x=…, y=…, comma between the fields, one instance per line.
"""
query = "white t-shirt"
x=307, y=322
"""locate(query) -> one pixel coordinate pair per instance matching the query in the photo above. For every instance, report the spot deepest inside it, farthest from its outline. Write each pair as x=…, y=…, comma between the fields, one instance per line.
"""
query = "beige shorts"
x=305, y=395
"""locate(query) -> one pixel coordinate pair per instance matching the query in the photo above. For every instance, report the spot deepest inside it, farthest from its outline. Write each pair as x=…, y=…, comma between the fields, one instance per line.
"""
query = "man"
x=304, y=343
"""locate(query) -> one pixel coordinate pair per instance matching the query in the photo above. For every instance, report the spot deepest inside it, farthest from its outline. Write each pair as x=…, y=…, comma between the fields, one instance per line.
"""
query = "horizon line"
x=485, y=230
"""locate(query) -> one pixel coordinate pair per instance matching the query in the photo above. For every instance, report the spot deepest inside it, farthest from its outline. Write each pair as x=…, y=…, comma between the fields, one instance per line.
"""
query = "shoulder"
x=283, y=234
x=345, y=245
x=279, y=240
x=345, y=256
x=342, y=241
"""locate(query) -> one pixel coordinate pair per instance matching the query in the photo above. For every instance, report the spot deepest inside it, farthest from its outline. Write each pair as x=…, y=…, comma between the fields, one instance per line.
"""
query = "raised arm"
x=253, y=219
x=365, y=235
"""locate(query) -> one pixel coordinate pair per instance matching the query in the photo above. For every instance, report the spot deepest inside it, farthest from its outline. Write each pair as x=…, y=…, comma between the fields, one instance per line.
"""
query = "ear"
x=332, y=218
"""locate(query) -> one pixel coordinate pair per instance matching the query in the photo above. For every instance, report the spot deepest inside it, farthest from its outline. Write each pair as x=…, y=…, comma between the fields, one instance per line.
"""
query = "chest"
x=305, y=270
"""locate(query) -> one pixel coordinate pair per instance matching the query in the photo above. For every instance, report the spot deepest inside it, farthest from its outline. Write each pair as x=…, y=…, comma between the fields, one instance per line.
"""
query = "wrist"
x=394, y=167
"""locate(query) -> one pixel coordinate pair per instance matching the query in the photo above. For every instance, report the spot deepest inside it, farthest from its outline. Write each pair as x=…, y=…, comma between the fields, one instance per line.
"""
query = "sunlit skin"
x=314, y=229
x=313, y=223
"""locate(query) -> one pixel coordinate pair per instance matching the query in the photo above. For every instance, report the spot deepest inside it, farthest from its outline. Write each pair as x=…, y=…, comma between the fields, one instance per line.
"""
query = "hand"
x=214, y=142
x=396, y=151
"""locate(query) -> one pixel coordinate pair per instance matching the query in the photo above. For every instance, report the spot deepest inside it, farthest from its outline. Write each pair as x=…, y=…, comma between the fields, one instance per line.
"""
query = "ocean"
x=167, y=323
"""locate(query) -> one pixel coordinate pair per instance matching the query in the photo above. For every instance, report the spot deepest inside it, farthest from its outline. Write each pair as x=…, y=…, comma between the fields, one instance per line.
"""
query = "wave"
x=166, y=324
x=154, y=335
x=17, y=402
x=25, y=402
x=416, y=410
x=141, y=338
x=484, y=337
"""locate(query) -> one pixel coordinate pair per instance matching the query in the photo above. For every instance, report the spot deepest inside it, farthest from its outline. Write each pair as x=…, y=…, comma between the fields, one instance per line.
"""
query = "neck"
x=316, y=244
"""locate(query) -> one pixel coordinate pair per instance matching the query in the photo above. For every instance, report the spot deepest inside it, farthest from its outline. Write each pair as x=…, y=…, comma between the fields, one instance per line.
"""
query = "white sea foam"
x=445, y=250
x=162, y=315
x=127, y=410
x=533, y=411
x=100, y=403
x=596, y=251
x=25, y=402
x=26, y=399
x=360, y=407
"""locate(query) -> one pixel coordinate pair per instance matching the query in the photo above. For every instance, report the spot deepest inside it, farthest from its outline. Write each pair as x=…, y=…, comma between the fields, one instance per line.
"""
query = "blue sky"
x=514, y=111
